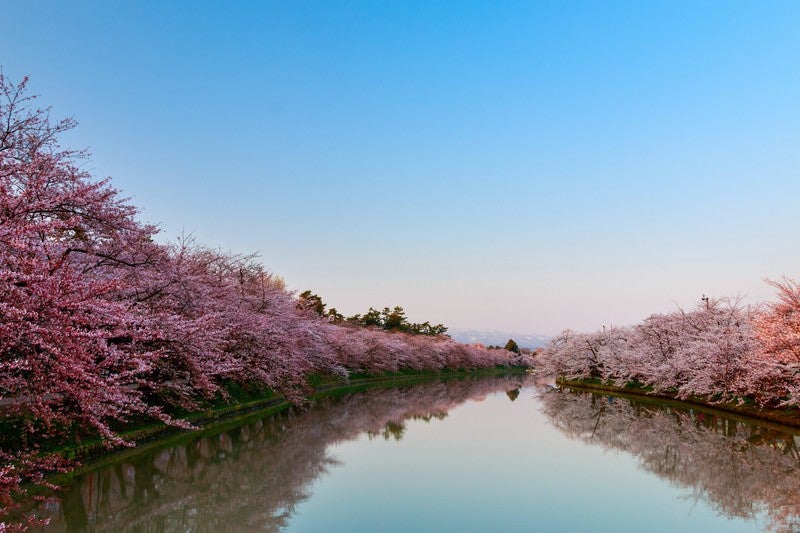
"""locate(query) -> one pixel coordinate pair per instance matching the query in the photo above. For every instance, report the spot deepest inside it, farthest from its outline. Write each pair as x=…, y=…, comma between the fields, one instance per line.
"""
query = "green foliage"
x=511, y=346
x=390, y=319
x=311, y=302
x=334, y=315
x=371, y=318
x=395, y=319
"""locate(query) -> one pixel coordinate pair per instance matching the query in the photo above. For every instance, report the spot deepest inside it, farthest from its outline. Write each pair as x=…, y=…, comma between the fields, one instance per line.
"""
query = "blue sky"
x=526, y=166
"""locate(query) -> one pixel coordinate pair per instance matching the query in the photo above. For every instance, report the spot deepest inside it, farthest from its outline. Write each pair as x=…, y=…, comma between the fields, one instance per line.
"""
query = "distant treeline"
x=393, y=319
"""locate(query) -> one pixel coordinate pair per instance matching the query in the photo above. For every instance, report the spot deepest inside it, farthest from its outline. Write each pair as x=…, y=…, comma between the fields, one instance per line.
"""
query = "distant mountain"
x=498, y=338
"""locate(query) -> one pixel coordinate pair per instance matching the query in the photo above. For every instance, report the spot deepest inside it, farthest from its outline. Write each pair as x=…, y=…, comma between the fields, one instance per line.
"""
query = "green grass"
x=239, y=401
x=242, y=405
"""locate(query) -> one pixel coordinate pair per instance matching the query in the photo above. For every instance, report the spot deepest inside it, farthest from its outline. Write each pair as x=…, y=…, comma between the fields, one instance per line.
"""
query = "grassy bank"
x=746, y=411
x=242, y=405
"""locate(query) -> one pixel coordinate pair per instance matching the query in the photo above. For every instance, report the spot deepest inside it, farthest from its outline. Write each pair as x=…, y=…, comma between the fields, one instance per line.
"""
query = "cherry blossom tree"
x=707, y=351
x=65, y=239
x=775, y=367
x=100, y=322
x=779, y=327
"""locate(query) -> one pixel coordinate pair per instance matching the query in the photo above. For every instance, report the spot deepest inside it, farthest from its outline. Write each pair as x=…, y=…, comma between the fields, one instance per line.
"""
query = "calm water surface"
x=490, y=454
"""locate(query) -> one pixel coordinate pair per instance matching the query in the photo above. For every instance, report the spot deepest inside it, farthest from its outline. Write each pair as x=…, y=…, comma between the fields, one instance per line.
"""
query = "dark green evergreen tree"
x=511, y=346
x=394, y=319
x=372, y=318
x=312, y=302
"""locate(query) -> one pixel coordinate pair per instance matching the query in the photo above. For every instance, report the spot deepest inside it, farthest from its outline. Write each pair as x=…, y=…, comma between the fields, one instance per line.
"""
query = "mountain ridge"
x=530, y=341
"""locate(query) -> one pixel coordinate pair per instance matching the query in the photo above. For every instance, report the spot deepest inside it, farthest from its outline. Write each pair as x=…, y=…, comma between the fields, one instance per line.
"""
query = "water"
x=490, y=454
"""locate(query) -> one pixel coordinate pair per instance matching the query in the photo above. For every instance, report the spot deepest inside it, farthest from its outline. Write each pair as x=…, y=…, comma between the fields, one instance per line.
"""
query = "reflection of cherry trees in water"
x=740, y=469
x=250, y=477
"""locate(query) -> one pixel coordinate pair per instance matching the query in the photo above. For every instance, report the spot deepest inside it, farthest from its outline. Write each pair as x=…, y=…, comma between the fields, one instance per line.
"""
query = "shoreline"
x=93, y=454
x=789, y=417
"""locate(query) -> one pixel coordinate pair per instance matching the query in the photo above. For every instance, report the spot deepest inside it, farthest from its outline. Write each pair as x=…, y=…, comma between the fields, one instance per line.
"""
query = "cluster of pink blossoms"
x=99, y=322
x=721, y=350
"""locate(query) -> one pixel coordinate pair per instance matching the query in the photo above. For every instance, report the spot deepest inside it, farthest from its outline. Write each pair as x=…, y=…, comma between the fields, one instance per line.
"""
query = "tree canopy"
x=101, y=324
x=511, y=346
x=389, y=319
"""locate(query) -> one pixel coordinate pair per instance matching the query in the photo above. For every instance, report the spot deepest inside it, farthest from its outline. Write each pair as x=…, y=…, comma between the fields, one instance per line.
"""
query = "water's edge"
x=215, y=420
x=779, y=418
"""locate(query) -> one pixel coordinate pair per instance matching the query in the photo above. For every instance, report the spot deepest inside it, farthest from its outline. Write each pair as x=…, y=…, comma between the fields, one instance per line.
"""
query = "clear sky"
x=525, y=166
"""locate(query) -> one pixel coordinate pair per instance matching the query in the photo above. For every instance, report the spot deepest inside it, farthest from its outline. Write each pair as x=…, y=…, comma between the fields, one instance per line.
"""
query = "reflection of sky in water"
x=496, y=465
x=561, y=461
